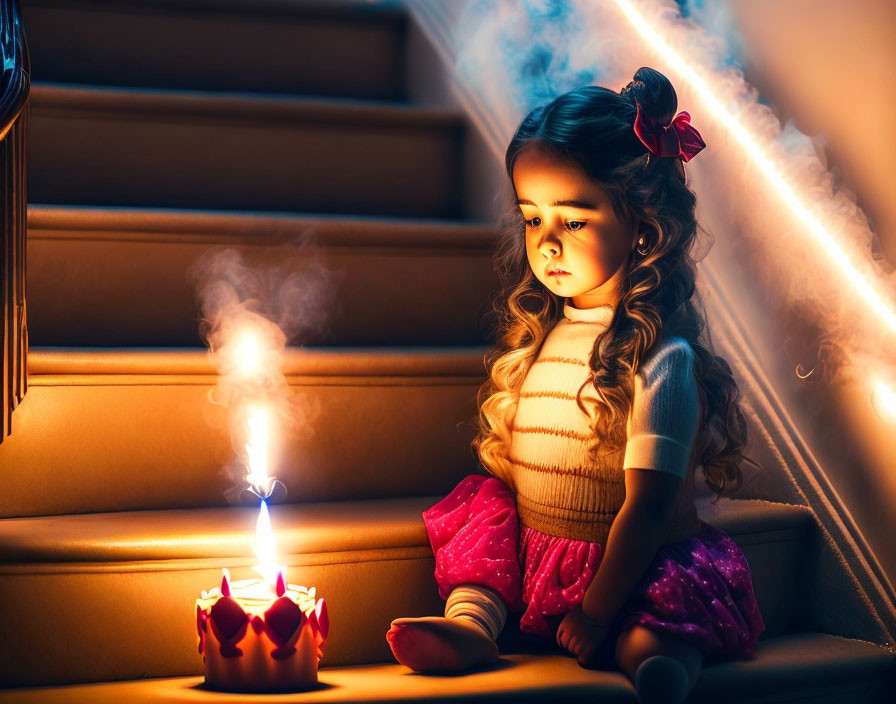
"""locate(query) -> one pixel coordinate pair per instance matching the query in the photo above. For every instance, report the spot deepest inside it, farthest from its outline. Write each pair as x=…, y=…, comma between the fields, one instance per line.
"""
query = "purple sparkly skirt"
x=698, y=589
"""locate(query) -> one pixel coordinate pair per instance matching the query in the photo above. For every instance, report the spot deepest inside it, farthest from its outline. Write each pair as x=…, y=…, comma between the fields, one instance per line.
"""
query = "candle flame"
x=265, y=549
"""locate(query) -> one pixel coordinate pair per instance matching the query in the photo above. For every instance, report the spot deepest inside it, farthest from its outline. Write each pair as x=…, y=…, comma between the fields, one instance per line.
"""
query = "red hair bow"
x=676, y=139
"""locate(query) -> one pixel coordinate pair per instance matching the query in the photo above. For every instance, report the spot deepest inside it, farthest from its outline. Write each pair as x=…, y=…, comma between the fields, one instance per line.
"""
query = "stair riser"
x=92, y=623
x=372, y=296
x=349, y=54
x=113, y=444
x=127, y=621
x=777, y=567
x=348, y=164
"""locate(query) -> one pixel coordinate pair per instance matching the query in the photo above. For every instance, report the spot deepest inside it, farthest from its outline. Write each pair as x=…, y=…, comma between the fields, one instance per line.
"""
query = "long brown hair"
x=593, y=127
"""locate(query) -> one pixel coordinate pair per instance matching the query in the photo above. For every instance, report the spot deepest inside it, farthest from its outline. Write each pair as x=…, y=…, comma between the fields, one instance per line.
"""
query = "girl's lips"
x=558, y=273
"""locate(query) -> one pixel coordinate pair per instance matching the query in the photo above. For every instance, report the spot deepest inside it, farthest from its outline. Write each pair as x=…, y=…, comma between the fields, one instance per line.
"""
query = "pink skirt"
x=699, y=589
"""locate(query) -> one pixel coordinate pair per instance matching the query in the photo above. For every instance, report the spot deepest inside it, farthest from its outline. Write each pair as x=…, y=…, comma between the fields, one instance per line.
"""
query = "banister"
x=15, y=86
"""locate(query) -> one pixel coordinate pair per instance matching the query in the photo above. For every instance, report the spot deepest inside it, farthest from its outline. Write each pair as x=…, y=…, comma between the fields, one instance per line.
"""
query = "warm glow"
x=248, y=353
x=257, y=451
x=878, y=300
x=884, y=400
x=255, y=635
x=264, y=548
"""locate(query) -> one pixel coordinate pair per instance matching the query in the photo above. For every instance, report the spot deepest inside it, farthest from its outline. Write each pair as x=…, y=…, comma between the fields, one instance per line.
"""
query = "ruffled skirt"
x=698, y=589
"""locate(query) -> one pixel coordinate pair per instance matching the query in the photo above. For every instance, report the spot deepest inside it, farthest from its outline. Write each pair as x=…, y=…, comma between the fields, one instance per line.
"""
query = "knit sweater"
x=559, y=491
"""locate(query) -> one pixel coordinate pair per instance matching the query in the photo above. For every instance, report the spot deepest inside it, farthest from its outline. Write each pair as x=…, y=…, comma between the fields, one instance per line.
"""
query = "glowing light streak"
x=260, y=481
x=884, y=400
x=257, y=450
x=840, y=258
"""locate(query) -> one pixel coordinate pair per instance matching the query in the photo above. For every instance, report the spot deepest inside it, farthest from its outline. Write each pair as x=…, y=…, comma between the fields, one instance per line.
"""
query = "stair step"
x=810, y=668
x=339, y=48
x=374, y=266
x=163, y=148
x=370, y=560
x=114, y=430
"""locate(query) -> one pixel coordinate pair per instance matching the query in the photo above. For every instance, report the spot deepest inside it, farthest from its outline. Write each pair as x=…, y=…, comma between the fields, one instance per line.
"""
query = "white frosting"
x=257, y=594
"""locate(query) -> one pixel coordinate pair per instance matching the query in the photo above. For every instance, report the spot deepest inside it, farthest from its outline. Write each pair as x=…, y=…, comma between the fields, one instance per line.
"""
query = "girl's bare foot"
x=436, y=644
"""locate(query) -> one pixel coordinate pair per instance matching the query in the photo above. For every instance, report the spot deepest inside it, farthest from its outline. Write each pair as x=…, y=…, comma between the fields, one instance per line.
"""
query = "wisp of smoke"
x=250, y=314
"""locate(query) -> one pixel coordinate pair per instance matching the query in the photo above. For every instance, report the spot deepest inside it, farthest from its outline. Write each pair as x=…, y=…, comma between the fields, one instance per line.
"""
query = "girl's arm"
x=661, y=431
x=635, y=536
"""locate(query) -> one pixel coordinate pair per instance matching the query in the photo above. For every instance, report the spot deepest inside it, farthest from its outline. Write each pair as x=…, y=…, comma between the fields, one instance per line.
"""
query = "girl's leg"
x=465, y=637
x=474, y=532
x=663, y=667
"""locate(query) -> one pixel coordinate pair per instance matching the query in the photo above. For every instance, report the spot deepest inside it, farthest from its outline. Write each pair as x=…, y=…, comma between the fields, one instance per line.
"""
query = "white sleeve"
x=663, y=419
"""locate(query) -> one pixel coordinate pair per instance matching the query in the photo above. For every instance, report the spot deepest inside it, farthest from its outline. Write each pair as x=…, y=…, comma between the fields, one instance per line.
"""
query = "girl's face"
x=571, y=227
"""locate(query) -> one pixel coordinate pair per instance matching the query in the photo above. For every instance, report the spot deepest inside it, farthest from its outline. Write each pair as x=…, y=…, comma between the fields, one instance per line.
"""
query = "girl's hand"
x=579, y=637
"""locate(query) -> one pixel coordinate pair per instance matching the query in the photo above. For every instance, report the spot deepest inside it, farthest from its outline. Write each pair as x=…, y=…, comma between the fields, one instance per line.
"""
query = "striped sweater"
x=559, y=491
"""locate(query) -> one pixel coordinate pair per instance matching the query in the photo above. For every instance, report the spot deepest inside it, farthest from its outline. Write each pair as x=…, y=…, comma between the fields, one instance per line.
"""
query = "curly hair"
x=593, y=127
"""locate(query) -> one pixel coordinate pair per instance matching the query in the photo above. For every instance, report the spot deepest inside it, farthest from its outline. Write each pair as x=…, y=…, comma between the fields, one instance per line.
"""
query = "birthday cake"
x=252, y=640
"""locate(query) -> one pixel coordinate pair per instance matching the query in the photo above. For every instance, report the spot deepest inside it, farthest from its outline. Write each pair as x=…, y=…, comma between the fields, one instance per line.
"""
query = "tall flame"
x=258, y=477
x=247, y=347
x=265, y=549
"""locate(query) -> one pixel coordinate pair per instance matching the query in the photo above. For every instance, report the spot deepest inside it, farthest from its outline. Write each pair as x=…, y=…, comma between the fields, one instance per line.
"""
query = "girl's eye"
x=571, y=225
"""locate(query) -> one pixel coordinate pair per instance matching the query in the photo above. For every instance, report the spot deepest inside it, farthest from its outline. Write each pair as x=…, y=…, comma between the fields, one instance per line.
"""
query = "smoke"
x=290, y=289
x=547, y=29
x=513, y=55
x=251, y=312
x=716, y=17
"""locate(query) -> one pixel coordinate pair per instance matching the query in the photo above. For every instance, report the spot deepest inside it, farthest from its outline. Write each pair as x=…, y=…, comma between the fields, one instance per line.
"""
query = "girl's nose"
x=550, y=248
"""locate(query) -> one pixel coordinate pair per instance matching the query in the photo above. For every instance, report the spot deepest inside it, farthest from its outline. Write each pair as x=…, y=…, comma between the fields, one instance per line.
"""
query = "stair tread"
x=309, y=528
x=214, y=532
x=801, y=663
x=232, y=105
x=297, y=361
x=51, y=221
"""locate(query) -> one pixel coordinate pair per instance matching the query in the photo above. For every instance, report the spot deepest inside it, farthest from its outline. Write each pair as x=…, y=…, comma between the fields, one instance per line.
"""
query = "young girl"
x=603, y=397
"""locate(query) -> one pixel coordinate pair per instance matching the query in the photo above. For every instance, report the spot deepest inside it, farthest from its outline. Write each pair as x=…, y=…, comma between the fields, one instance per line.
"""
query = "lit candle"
x=261, y=635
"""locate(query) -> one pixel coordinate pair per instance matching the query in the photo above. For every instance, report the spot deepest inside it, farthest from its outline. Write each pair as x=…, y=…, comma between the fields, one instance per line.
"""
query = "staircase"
x=160, y=129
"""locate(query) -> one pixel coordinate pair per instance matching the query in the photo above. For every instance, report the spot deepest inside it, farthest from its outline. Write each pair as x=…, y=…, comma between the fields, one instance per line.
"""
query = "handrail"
x=15, y=89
